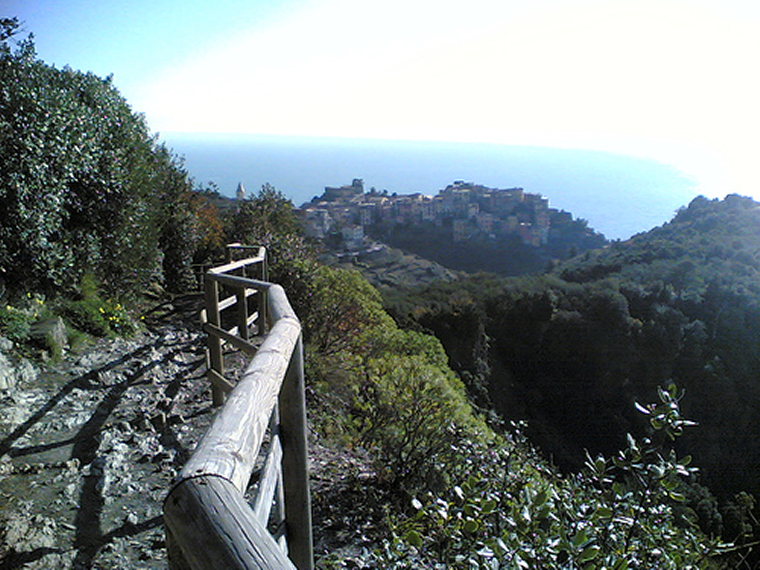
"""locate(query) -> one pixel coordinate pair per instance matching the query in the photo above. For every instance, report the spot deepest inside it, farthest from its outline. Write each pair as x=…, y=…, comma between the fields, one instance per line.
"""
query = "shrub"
x=84, y=187
x=512, y=511
x=15, y=323
x=407, y=409
x=95, y=315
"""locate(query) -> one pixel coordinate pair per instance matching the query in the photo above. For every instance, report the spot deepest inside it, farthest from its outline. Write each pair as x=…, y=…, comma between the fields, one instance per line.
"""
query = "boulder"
x=7, y=373
x=6, y=344
x=51, y=333
x=14, y=373
x=26, y=372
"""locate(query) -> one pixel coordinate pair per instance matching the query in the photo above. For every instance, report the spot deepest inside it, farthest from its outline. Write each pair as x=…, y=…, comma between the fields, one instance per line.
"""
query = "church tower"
x=240, y=194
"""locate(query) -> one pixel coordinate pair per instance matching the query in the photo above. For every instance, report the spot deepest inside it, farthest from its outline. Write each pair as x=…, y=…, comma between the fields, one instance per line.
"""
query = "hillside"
x=571, y=351
x=506, y=254
x=385, y=266
x=693, y=285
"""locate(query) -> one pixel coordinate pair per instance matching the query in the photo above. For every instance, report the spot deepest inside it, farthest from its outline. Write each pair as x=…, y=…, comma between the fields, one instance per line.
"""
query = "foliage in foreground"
x=570, y=351
x=42, y=327
x=509, y=509
x=388, y=390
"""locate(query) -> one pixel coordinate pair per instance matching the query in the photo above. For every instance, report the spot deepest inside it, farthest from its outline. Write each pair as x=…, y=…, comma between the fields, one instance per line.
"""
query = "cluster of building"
x=466, y=210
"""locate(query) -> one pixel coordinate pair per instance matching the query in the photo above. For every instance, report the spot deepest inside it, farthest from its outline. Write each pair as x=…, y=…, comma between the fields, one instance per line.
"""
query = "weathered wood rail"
x=209, y=523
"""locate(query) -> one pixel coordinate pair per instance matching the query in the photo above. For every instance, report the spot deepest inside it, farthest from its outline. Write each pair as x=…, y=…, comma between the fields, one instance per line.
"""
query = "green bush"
x=84, y=187
x=269, y=219
x=95, y=315
x=388, y=390
x=15, y=323
x=406, y=410
x=510, y=510
x=16, y=319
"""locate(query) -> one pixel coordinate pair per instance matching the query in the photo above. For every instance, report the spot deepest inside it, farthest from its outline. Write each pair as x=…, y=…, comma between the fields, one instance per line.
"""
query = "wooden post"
x=278, y=514
x=212, y=523
x=295, y=462
x=264, y=265
x=214, y=343
x=174, y=553
x=263, y=323
x=242, y=313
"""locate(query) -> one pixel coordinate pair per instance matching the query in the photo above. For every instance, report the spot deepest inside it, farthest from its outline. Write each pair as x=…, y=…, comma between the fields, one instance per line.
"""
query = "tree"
x=84, y=188
x=8, y=28
x=269, y=213
x=269, y=219
x=344, y=305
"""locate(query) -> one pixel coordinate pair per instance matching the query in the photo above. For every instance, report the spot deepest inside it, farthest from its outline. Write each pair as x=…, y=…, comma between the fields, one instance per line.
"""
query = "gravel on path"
x=88, y=450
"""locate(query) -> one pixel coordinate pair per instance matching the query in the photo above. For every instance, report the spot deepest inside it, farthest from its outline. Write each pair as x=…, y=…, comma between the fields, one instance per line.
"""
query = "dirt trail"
x=88, y=450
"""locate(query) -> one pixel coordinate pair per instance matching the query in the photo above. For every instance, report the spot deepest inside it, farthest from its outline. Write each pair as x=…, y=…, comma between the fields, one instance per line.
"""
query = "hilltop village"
x=462, y=211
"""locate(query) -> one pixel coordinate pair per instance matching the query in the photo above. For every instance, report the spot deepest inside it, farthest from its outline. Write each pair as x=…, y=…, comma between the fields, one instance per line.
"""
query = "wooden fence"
x=209, y=522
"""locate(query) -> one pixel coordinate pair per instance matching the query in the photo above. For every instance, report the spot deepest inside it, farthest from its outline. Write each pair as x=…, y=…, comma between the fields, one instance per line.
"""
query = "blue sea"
x=618, y=195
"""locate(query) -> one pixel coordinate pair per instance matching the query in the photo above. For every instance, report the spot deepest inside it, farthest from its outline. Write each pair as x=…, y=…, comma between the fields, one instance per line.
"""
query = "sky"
x=671, y=80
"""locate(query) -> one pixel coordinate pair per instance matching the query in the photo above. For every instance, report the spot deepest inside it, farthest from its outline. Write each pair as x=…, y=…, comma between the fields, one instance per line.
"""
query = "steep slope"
x=572, y=351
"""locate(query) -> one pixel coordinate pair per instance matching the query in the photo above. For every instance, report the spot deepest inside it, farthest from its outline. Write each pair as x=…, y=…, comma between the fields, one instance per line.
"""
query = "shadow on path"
x=87, y=381
x=89, y=536
x=13, y=559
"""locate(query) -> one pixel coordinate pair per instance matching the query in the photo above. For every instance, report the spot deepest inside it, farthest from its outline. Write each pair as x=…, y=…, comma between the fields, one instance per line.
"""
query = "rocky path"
x=89, y=447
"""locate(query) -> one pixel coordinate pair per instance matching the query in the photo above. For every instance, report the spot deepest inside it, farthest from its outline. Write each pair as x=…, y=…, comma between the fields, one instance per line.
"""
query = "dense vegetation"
x=93, y=210
x=456, y=492
x=570, y=352
x=84, y=187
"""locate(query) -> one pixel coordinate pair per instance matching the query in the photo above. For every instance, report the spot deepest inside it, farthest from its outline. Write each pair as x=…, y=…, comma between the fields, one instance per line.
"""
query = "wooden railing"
x=209, y=522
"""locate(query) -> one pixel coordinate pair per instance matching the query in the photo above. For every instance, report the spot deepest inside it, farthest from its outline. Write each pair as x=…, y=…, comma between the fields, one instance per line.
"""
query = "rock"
x=13, y=372
x=6, y=344
x=51, y=333
x=127, y=463
x=5, y=465
x=7, y=373
x=159, y=421
x=26, y=372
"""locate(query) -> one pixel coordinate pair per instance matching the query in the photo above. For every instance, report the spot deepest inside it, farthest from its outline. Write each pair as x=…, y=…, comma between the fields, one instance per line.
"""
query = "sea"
x=618, y=195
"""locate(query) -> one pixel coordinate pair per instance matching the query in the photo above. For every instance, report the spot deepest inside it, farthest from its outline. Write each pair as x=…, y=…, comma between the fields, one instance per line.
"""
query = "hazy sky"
x=667, y=79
